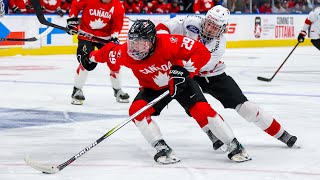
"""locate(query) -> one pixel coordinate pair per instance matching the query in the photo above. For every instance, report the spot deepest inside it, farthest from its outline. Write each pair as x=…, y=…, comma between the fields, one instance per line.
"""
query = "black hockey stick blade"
x=35, y=38
x=263, y=79
x=270, y=79
x=37, y=8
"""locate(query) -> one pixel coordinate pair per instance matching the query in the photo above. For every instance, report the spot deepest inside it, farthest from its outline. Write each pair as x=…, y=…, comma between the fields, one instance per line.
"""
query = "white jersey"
x=190, y=26
x=314, y=19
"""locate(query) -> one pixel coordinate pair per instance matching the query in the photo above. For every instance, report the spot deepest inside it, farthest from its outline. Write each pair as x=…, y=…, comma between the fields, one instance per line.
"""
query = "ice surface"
x=37, y=119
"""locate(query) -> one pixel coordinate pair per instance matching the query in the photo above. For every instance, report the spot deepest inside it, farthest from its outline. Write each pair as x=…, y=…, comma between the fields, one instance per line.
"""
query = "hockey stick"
x=35, y=38
x=37, y=8
x=52, y=169
x=270, y=79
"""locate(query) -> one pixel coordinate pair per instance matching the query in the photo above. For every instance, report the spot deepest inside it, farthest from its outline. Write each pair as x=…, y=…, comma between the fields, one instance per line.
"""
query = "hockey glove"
x=301, y=36
x=16, y=10
x=60, y=12
x=29, y=7
x=83, y=58
x=115, y=40
x=72, y=24
x=177, y=81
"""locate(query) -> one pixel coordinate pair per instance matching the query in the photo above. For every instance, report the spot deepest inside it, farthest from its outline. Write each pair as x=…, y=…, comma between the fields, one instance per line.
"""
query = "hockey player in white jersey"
x=312, y=20
x=212, y=78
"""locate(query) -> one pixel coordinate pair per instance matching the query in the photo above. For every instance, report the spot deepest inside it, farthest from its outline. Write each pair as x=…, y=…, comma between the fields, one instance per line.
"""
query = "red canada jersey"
x=153, y=72
x=51, y=5
x=19, y=3
x=100, y=19
x=172, y=9
x=159, y=7
x=202, y=5
x=65, y=5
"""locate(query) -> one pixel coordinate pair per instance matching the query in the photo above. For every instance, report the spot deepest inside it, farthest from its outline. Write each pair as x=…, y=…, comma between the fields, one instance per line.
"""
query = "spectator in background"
x=255, y=9
x=234, y=6
x=265, y=8
x=246, y=6
x=159, y=7
x=202, y=6
x=217, y=2
x=277, y=8
x=296, y=8
x=130, y=6
x=285, y=6
x=146, y=7
x=305, y=6
x=173, y=7
x=17, y=7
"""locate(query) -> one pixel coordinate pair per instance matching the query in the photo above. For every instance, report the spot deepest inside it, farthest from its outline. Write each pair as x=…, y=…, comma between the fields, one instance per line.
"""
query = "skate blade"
x=123, y=100
x=76, y=102
x=241, y=157
x=171, y=159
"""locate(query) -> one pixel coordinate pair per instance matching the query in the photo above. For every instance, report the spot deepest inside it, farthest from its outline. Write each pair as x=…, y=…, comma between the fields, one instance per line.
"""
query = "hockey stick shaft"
x=35, y=38
x=270, y=79
x=37, y=8
x=51, y=169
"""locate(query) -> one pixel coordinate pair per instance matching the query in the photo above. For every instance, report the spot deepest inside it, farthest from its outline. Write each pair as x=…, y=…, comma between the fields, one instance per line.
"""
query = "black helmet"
x=141, y=39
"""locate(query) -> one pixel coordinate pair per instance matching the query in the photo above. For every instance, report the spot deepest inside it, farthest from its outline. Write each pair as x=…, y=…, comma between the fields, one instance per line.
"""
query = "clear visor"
x=210, y=29
x=138, y=49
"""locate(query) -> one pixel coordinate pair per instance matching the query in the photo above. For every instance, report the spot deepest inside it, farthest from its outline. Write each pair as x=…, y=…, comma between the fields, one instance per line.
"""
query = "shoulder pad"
x=193, y=23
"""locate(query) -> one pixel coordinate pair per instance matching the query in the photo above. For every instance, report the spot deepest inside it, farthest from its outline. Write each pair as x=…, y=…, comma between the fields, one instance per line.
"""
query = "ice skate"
x=288, y=139
x=237, y=152
x=121, y=96
x=164, y=154
x=77, y=96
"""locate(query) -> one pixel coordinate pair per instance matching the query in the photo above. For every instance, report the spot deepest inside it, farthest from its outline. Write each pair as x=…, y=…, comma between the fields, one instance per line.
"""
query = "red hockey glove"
x=301, y=36
x=83, y=58
x=177, y=81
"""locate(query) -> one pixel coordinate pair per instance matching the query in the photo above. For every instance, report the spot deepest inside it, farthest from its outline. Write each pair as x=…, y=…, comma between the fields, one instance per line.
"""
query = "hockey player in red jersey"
x=161, y=63
x=212, y=78
x=102, y=18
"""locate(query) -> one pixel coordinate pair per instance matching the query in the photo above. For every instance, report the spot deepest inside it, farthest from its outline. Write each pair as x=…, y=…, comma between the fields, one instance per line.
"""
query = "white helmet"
x=215, y=22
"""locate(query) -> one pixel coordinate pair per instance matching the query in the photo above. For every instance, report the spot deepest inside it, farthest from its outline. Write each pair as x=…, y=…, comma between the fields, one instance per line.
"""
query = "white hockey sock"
x=150, y=131
x=251, y=112
x=115, y=79
x=80, y=77
x=220, y=129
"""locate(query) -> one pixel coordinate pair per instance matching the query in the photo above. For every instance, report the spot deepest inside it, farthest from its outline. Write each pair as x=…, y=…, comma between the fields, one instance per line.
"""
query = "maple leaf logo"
x=97, y=24
x=188, y=65
x=161, y=79
x=50, y=2
x=92, y=59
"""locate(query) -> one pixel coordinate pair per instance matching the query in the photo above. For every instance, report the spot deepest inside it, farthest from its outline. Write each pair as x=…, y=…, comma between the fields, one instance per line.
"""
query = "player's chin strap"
x=37, y=8
x=52, y=169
